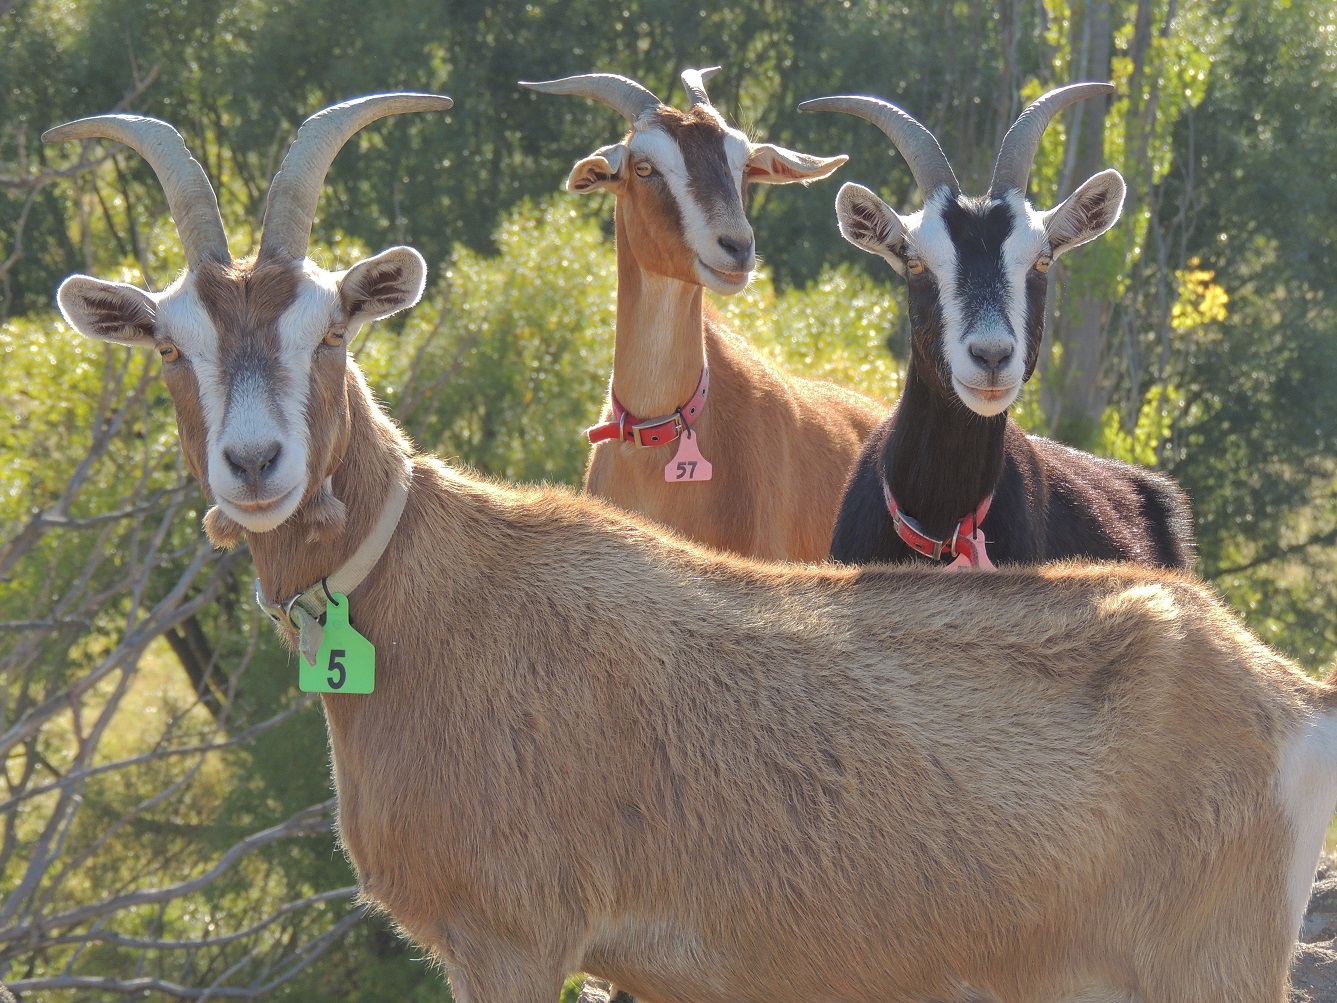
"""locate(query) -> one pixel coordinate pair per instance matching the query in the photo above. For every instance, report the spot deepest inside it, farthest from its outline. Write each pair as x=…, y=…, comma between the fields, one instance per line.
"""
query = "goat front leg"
x=503, y=978
x=485, y=968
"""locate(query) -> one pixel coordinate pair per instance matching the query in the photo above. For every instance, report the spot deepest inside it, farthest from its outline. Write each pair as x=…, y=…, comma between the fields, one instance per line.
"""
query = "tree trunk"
x=1076, y=402
x=191, y=646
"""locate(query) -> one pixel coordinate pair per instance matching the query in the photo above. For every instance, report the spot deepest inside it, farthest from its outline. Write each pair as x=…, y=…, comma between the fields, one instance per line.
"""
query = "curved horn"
x=291, y=205
x=695, y=83
x=623, y=95
x=916, y=144
x=190, y=197
x=1012, y=169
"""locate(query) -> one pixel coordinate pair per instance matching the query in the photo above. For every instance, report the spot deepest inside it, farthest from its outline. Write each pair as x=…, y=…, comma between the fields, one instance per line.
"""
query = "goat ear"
x=379, y=286
x=1088, y=212
x=774, y=165
x=108, y=311
x=602, y=169
x=871, y=225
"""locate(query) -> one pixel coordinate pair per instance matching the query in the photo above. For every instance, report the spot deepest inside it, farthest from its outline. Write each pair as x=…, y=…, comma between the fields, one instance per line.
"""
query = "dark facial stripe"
x=978, y=229
x=710, y=181
x=245, y=304
x=1037, y=289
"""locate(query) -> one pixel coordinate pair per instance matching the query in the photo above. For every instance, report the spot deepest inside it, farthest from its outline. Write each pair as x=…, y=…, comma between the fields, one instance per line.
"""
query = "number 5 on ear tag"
x=346, y=662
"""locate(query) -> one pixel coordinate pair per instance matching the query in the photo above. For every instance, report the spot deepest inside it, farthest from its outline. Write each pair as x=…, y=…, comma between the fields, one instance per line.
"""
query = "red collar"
x=961, y=543
x=651, y=431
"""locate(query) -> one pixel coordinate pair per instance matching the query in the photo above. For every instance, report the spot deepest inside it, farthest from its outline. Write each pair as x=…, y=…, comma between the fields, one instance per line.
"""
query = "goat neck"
x=943, y=463
x=287, y=560
x=659, y=350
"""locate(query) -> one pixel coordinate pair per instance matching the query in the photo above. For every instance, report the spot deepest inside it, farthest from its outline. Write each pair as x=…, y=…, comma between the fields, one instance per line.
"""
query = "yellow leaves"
x=1155, y=422
x=1201, y=300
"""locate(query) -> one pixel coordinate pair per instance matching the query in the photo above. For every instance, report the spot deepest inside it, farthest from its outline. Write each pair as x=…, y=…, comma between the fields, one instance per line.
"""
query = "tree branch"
x=310, y=821
x=1271, y=554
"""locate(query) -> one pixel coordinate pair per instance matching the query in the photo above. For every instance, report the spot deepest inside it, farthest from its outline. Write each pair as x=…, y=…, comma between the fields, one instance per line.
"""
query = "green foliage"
x=506, y=362
x=1155, y=424
x=834, y=329
x=1218, y=289
x=1255, y=448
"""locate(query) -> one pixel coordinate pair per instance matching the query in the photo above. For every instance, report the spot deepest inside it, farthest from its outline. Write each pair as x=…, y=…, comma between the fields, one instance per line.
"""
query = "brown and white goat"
x=780, y=446
x=800, y=796
x=977, y=271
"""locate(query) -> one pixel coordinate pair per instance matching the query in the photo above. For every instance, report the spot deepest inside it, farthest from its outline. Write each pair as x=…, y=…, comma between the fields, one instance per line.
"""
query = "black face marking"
x=1037, y=292
x=926, y=334
x=978, y=229
x=709, y=178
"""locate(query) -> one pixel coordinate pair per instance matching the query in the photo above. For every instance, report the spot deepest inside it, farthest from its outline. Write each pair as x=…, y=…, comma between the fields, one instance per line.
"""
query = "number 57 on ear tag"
x=346, y=662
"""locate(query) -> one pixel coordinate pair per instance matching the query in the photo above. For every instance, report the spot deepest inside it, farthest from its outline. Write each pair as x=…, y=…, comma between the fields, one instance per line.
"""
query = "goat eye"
x=169, y=352
x=334, y=337
x=644, y=169
x=1043, y=262
x=915, y=266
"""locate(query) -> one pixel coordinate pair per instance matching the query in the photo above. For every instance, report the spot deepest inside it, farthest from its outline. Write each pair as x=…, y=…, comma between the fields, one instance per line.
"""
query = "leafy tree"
x=149, y=724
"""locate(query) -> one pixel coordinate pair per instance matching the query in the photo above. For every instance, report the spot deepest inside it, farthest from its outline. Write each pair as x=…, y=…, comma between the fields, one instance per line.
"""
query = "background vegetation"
x=166, y=803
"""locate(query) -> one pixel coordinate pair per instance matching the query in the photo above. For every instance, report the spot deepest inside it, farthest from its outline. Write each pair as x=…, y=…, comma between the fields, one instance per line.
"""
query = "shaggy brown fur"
x=788, y=783
x=1065, y=794
x=781, y=445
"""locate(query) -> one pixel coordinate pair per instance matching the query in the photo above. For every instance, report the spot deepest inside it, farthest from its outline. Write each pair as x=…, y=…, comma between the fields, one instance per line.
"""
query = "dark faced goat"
x=948, y=469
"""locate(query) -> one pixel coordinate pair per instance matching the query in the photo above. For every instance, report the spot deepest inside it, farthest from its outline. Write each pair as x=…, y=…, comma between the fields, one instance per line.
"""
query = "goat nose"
x=992, y=354
x=741, y=250
x=252, y=462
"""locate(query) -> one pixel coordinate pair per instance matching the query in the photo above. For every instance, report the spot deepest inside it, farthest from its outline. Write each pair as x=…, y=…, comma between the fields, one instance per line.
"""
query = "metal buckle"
x=638, y=431
x=899, y=518
x=280, y=613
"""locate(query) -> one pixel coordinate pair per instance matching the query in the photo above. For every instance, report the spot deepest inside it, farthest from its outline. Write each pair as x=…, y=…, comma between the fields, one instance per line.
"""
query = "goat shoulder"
x=780, y=749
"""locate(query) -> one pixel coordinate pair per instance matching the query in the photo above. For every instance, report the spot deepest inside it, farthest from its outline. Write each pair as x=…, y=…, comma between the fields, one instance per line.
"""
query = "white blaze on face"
x=982, y=295
x=253, y=389
x=928, y=240
x=722, y=216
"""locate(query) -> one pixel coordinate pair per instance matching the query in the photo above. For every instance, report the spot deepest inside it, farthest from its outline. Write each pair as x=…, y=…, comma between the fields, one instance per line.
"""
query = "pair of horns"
x=291, y=205
x=929, y=164
x=624, y=95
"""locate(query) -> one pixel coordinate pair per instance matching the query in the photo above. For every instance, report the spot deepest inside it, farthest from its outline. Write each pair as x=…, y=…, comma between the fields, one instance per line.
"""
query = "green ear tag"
x=346, y=662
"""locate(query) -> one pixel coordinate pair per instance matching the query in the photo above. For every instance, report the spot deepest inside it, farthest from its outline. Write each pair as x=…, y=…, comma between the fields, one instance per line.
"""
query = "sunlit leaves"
x=1201, y=300
x=834, y=329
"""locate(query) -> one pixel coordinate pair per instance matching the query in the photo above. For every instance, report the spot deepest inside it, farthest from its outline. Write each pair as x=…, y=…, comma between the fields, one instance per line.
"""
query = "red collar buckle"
x=660, y=431
x=915, y=537
x=960, y=542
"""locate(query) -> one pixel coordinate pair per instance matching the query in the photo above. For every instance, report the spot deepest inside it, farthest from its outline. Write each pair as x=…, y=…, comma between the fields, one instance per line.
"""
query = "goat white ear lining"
x=108, y=311
x=383, y=284
x=599, y=170
x=774, y=165
x=1087, y=213
x=870, y=224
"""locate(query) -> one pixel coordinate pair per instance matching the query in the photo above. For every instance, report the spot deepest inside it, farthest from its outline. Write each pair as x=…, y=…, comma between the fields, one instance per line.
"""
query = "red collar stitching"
x=651, y=431
x=960, y=542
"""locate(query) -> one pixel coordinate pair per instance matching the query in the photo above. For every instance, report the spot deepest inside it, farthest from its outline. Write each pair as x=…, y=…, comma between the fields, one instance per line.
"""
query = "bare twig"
x=310, y=821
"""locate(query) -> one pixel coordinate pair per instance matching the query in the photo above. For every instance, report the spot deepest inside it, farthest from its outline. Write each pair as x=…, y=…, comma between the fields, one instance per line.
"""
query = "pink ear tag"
x=962, y=562
x=688, y=464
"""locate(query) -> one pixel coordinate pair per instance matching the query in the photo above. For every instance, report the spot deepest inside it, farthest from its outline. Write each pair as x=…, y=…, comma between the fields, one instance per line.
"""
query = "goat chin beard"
x=324, y=515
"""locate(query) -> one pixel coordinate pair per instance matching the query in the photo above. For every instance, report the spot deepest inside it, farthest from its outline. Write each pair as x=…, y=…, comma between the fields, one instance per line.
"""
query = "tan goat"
x=780, y=446
x=807, y=783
